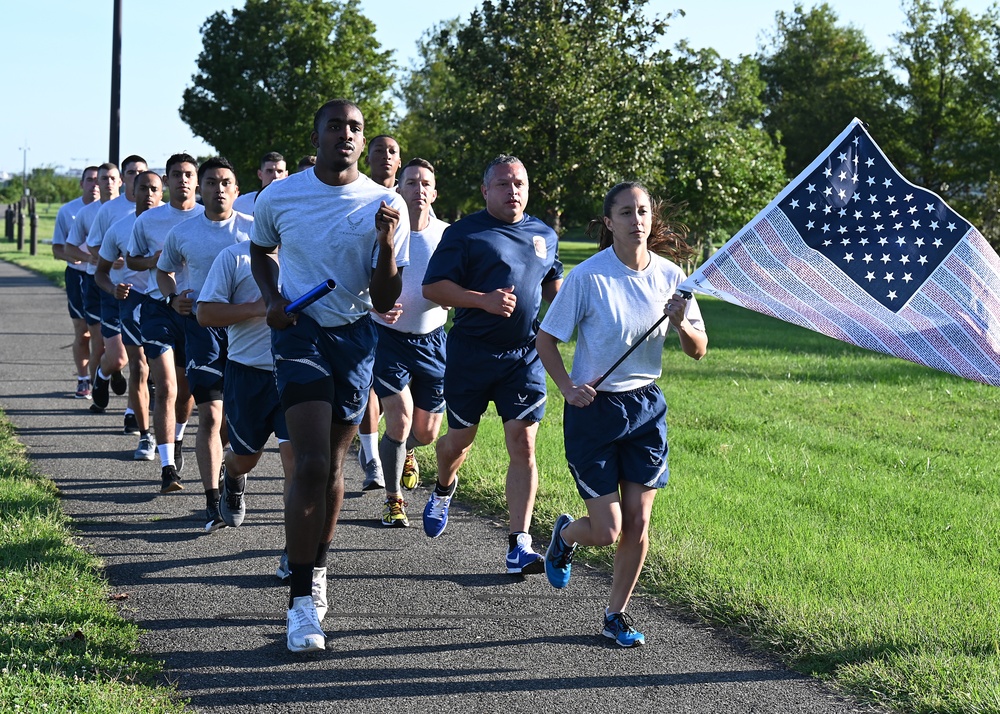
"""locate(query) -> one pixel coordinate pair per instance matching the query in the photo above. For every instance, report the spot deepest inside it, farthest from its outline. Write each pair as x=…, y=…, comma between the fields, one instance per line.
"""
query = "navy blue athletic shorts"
x=74, y=293
x=329, y=364
x=128, y=317
x=111, y=323
x=405, y=359
x=253, y=409
x=620, y=436
x=91, y=300
x=162, y=329
x=205, y=349
x=476, y=375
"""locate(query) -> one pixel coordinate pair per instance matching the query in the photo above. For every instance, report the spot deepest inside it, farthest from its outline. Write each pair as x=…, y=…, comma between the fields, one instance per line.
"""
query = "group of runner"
x=195, y=296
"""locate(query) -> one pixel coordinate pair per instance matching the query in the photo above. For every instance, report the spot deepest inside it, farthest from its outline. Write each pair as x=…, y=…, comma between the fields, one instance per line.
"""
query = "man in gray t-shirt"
x=331, y=223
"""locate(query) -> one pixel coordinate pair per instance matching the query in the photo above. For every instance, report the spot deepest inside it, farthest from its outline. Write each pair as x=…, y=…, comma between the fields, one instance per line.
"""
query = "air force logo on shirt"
x=540, y=250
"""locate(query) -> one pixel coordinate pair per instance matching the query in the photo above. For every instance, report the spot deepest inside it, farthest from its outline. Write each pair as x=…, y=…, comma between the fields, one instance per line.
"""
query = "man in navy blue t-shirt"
x=494, y=267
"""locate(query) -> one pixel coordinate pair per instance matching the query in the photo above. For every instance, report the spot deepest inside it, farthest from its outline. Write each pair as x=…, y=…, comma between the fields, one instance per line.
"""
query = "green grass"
x=837, y=506
x=42, y=262
x=63, y=645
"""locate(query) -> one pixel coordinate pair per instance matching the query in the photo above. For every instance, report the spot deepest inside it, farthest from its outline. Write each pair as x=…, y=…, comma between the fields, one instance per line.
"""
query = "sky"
x=56, y=96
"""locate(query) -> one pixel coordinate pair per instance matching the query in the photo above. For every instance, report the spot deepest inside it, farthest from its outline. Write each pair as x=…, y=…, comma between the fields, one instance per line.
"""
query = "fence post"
x=33, y=233
x=20, y=225
x=8, y=230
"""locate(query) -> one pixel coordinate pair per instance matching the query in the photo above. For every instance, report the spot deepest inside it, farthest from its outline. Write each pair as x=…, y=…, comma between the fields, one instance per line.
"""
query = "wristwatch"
x=169, y=299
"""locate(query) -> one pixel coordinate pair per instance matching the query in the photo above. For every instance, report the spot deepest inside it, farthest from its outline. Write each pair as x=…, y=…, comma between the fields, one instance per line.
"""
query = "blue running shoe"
x=559, y=556
x=523, y=560
x=436, y=514
x=620, y=627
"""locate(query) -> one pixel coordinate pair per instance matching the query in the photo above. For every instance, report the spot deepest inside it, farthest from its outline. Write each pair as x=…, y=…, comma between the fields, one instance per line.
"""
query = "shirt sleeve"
x=171, y=259
x=566, y=310
x=264, y=233
x=448, y=260
x=218, y=285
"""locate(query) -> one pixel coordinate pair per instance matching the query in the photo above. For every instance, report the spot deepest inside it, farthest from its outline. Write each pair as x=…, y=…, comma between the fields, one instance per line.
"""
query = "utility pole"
x=116, y=83
x=24, y=169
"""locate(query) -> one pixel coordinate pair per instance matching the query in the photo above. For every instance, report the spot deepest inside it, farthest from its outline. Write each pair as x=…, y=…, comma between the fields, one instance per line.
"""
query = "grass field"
x=838, y=507
x=63, y=645
x=42, y=262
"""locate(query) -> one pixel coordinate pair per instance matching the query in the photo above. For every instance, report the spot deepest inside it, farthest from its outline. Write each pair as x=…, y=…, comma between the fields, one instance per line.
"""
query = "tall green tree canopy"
x=950, y=101
x=718, y=159
x=819, y=75
x=265, y=69
x=565, y=85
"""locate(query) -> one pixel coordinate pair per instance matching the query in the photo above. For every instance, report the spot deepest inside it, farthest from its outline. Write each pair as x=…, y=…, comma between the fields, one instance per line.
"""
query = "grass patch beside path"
x=839, y=507
x=63, y=645
x=43, y=262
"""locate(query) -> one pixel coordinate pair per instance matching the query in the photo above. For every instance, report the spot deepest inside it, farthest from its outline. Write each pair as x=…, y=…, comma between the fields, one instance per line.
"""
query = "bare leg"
x=522, y=472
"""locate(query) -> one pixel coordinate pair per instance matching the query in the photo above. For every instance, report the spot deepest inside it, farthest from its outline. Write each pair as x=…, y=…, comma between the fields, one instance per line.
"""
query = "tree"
x=265, y=69
x=565, y=85
x=719, y=161
x=818, y=77
x=950, y=103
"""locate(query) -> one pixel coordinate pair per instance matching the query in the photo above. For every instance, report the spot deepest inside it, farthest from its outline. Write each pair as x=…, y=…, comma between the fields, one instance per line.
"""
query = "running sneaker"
x=213, y=518
x=283, y=572
x=82, y=389
x=394, y=513
x=131, y=425
x=171, y=481
x=436, y=514
x=319, y=592
x=304, y=631
x=179, y=455
x=232, y=507
x=119, y=385
x=522, y=560
x=100, y=394
x=411, y=471
x=146, y=451
x=559, y=556
x=373, y=476
x=621, y=628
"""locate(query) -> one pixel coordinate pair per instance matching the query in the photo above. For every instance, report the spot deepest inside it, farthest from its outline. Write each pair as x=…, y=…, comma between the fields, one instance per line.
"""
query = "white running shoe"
x=319, y=592
x=304, y=631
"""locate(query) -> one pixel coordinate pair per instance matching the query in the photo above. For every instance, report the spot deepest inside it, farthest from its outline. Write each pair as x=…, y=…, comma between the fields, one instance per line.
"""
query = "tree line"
x=584, y=93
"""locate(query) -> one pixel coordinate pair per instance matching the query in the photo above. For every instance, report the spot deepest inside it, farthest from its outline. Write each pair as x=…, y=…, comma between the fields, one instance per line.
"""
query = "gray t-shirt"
x=64, y=224
x=150, y=232
x=328, y=232
x=230, y=281
x=193, y=245
x=244, y=202
x=115, y=245
x=611, y=306
x=420, y=315
x=81, y=229
x=110, y=213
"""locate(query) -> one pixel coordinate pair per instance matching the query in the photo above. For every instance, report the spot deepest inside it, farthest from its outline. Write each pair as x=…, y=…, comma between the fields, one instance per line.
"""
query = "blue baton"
x=321, y=290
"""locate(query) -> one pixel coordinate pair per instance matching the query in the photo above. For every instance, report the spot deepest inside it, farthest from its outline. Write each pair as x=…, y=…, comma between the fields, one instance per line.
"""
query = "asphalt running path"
x=414, y=625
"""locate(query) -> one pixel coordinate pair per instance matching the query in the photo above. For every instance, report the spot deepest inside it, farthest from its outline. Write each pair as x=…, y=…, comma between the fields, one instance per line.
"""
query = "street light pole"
x=24, y=169
x=116, y=82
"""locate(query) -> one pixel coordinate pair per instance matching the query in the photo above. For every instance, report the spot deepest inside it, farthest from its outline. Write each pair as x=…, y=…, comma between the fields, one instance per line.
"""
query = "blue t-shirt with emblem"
x=484, y=254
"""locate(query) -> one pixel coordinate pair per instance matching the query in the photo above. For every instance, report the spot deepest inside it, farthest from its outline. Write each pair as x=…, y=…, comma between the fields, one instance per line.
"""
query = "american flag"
x=854, y=251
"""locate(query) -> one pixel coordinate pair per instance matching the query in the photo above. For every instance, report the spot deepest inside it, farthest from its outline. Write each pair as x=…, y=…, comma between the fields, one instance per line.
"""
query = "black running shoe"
x=232, y=506
x=213, y=519
x=179, y=455
x=100, y=393
x=131, y=425
x=119, y=385
x=170, y=480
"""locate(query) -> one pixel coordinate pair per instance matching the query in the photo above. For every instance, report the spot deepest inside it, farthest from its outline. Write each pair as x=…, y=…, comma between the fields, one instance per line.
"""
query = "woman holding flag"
x=616, y=438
